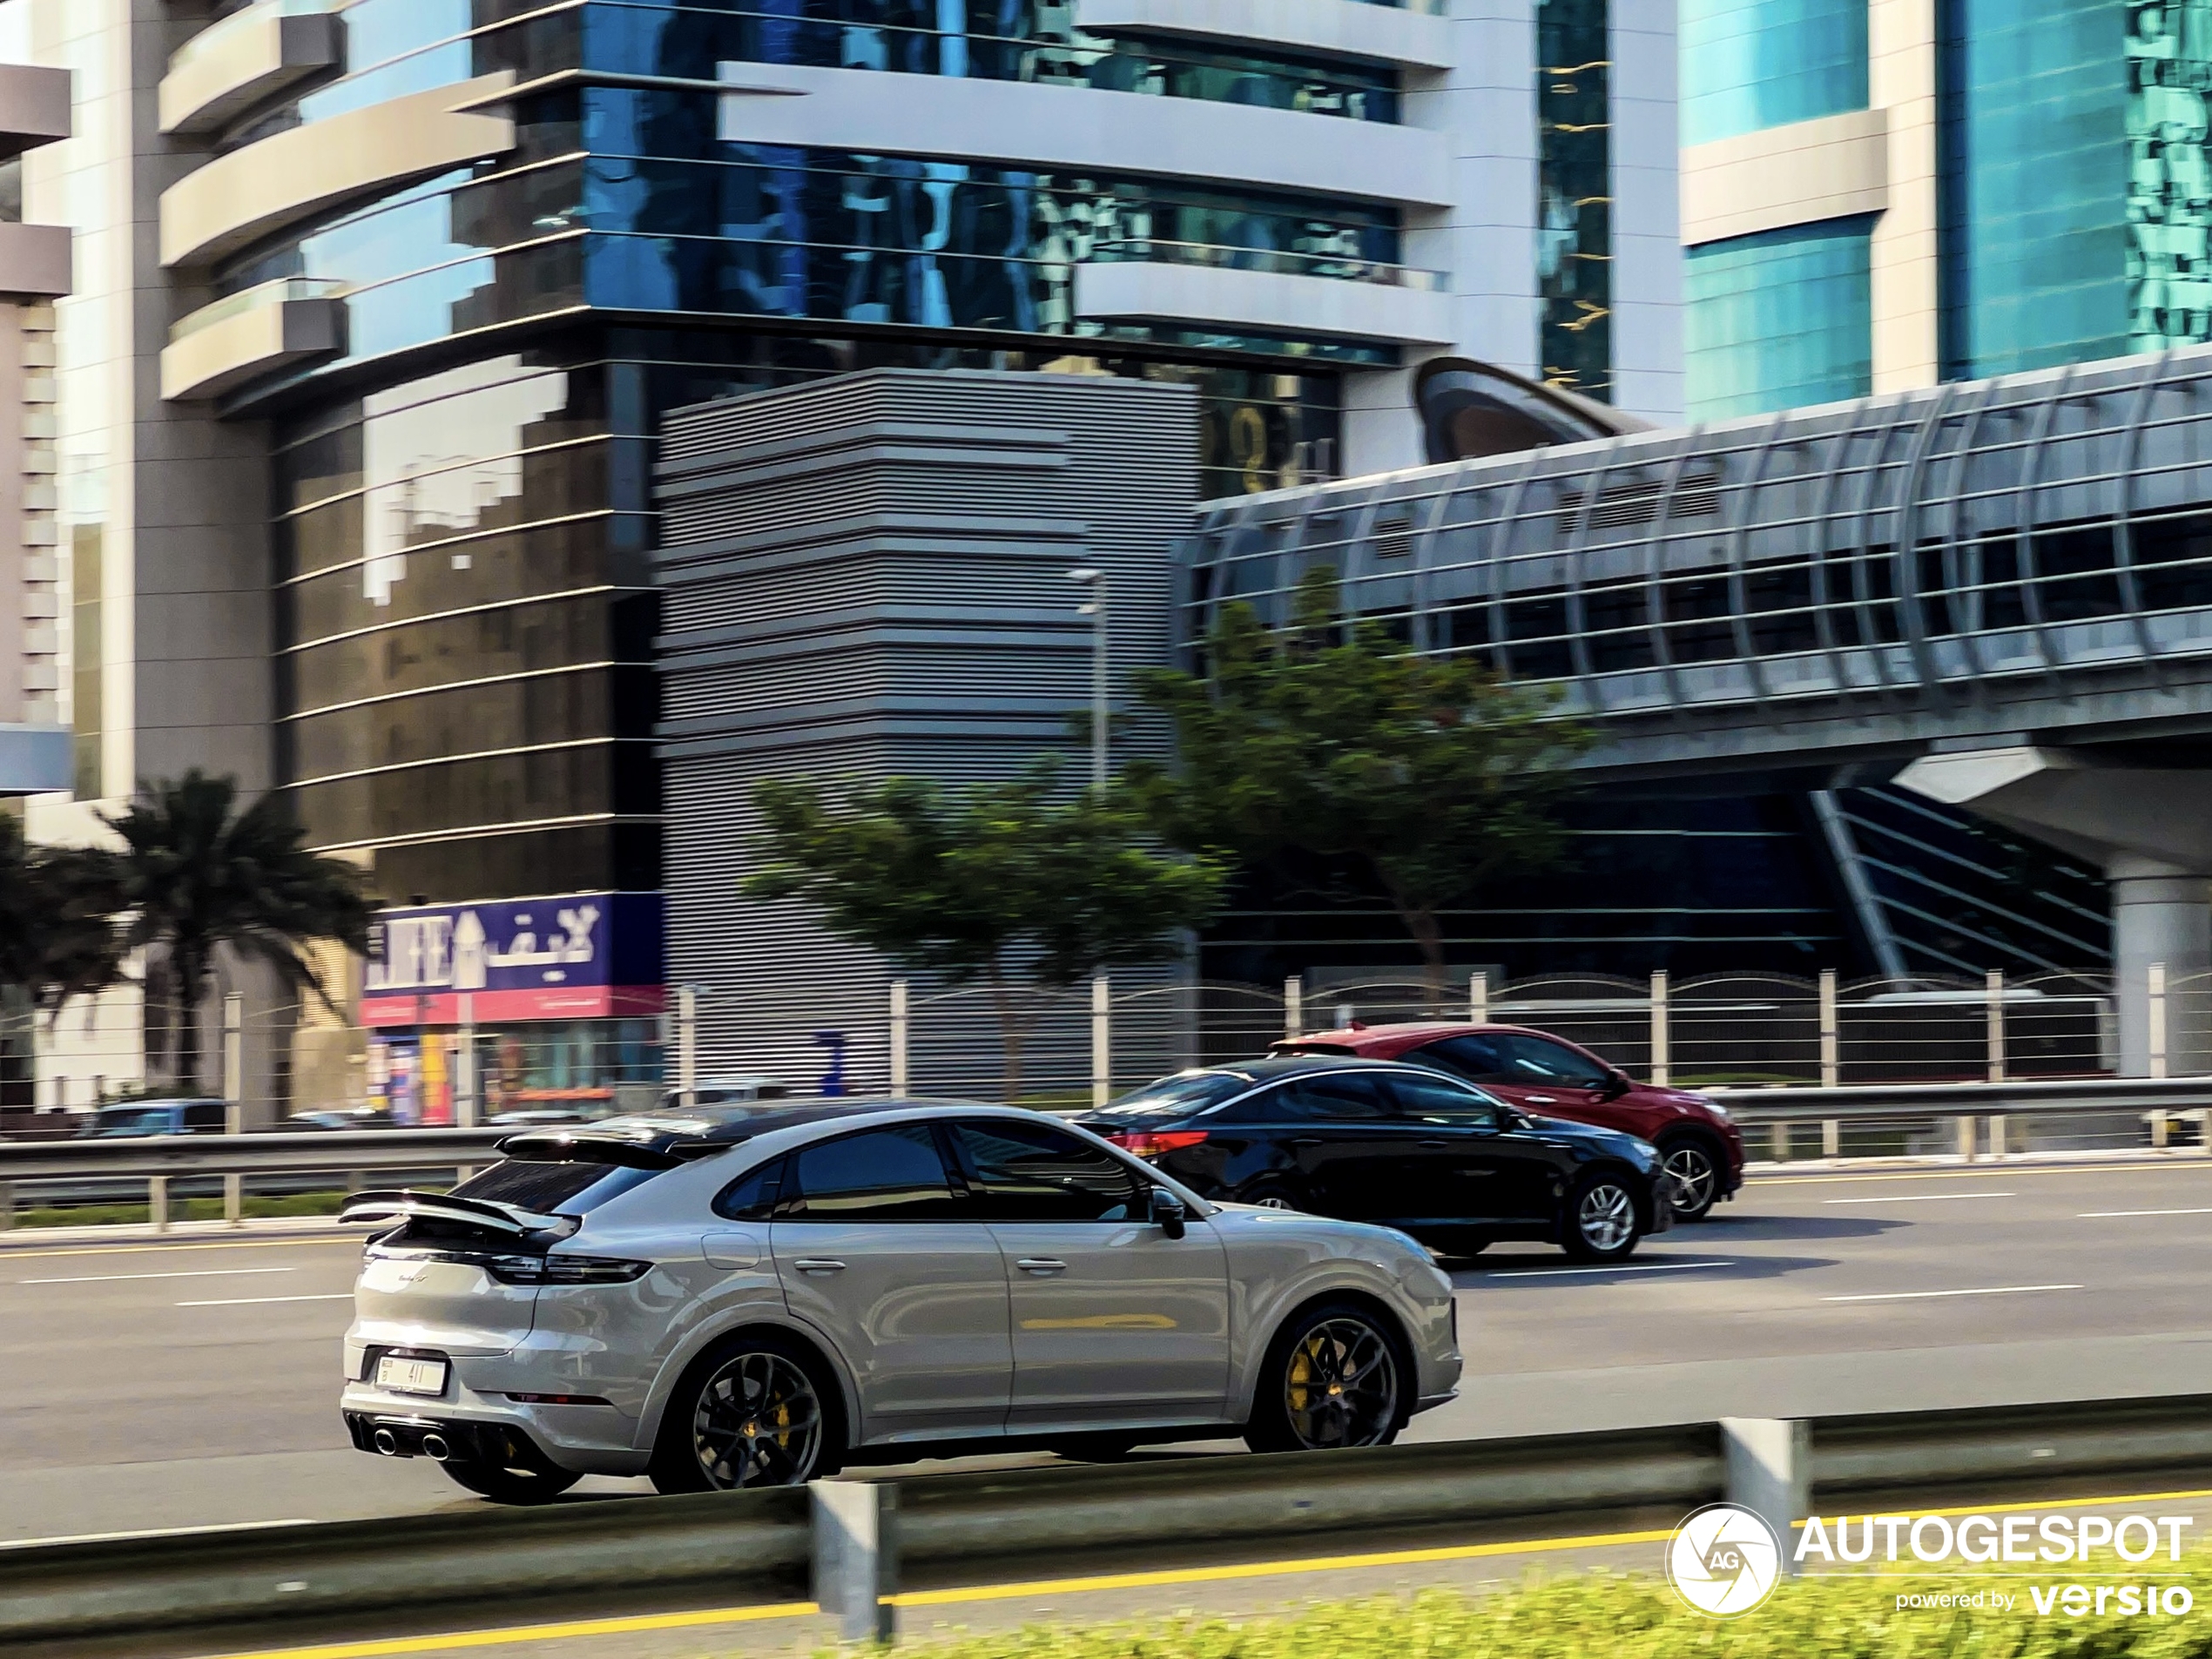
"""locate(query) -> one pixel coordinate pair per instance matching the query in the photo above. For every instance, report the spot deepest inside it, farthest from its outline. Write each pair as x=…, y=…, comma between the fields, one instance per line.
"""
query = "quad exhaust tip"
x=386, y=1442
x=433, y=1445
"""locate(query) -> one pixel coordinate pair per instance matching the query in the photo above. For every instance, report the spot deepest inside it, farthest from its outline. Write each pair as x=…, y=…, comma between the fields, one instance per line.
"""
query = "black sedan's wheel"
x=1601, y=1219
x=1336, y=1376
x=1693, y=1181
x=755, y=1411
x=1271, y=1194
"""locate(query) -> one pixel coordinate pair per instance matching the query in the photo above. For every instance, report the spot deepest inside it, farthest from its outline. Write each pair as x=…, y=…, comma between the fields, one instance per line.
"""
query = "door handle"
x=817, y=1265
x=1437, y=1145
x=1303, y=1141
x=1541, y=1100
x=1041, y=1265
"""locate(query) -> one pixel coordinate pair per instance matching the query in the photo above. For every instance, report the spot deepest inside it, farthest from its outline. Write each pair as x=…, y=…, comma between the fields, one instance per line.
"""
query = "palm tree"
x=58, y=938
x=197, y=877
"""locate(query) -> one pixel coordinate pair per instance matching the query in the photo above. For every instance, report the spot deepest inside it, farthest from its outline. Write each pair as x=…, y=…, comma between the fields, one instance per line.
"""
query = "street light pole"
x=1094, y=579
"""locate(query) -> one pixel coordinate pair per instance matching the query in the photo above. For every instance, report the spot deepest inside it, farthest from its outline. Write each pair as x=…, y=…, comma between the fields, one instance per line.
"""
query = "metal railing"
x=855, y=1534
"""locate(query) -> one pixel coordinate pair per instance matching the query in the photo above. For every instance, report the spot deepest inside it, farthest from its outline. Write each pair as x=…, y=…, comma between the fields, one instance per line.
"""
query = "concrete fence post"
x=157, y=1202
x=687, y=1045
x=234, y=1100
x=1293, y=1008
x=1102, y=1040
x=466, y=1114
x=7, y=1206
x=2157, y=1020
x=1831, y=1062
x=856, y=1556
x=1479, y=999
x=1995, y=1021
x=899, y=1018
x=1661, y=1034
x=1770, y=1472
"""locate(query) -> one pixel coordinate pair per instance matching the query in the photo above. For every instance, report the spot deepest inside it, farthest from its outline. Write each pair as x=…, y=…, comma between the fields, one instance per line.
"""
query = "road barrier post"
x=1965, y=1126
x=234, y=1101
x=1479, y=999
x=1662, y=1058
x=1102, y=1040
x=856, y=1556
x=1293, y=1008
x=7, y=1206
x=157, y=1202
x=898, y=1038
x=1770, y=1472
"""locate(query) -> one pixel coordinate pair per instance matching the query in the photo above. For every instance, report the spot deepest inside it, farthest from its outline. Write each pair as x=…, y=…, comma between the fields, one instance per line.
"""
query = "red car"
x=1548, y=1077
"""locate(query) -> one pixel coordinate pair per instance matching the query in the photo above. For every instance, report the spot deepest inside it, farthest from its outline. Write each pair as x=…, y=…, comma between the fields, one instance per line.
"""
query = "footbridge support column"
x=2149, y=829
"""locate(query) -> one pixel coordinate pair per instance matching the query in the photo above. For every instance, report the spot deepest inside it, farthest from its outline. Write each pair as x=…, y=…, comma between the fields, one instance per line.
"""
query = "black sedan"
x=1399, y=1145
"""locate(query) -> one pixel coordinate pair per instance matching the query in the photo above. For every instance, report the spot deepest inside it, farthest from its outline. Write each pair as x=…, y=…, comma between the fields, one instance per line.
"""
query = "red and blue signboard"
x=579, y=956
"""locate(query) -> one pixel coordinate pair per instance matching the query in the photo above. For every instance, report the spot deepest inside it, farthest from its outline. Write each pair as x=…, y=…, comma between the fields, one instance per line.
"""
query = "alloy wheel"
x=758, y=1423
x=1273, y=1201
x=1605, y=1217
x=1340, y=1387
x=1690, y=1180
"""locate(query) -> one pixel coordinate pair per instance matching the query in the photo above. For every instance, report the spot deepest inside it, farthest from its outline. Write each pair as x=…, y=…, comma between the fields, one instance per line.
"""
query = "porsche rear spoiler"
x=402, y=1204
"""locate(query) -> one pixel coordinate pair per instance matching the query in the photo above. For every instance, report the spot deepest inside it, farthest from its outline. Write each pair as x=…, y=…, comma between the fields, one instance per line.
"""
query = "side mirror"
x=1615, y=1086
x=1170, y=1213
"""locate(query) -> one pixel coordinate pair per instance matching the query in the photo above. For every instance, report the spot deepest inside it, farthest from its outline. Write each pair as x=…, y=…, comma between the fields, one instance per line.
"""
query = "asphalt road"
x=195, y=1383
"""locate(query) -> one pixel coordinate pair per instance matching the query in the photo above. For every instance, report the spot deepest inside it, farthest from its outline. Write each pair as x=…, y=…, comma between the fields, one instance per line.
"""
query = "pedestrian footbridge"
x=1998, y=593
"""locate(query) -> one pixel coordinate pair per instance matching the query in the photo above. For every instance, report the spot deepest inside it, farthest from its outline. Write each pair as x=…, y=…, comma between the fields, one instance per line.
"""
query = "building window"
x=1748, y=64
x=2034, y=234
x=2169, y=175
x=1575, y=195
x=1779, y=320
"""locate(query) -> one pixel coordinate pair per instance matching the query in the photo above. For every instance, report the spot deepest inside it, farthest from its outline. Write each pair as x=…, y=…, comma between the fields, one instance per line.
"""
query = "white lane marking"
x=1919, y=1296
x=1923, y=1198
x=109, y=1279
x=154, y=1532
x=244, y=1301
x=2102, y=1215
x=1566, y=1272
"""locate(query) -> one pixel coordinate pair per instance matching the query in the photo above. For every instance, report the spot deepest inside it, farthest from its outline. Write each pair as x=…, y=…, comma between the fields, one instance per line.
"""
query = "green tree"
x=1430, y=775
x=1016, y=886
x=196, y=876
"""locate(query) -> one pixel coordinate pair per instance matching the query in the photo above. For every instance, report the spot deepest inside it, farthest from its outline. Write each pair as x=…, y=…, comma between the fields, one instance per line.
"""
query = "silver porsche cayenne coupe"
x=755, y=1294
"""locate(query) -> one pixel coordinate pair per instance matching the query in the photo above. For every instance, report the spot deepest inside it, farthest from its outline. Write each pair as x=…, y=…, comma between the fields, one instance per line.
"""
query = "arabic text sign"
x=519, y=958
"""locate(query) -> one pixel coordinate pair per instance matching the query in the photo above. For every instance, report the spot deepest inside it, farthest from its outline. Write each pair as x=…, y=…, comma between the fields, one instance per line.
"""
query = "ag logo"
x=1724, y=1561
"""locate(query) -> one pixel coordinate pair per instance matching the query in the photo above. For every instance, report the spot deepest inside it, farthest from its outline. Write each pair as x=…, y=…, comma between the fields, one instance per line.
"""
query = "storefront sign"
x=585, y=956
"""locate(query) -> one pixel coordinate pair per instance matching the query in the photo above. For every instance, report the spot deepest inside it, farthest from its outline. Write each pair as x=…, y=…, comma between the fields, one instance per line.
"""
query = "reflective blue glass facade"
x=1575, y=195
x=1747, y=64
x=466, y=615
x=2035, y=176
x=2169, y=174
x=1779, y=320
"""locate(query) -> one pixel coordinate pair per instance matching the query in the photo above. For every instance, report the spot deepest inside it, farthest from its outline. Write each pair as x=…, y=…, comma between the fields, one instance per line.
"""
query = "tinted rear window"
x=1186, y=1092
x=573, y=1188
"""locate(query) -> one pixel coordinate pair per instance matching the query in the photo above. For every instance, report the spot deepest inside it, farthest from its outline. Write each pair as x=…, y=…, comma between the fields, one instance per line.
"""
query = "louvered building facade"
x=867, y=576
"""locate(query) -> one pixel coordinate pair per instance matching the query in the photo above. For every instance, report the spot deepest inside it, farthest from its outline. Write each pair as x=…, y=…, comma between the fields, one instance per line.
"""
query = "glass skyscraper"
x=2024, y=184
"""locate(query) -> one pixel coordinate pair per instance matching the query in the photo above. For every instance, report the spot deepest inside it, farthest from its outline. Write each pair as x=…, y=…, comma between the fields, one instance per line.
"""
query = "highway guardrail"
x=415, y=1571
x=1981, y=1109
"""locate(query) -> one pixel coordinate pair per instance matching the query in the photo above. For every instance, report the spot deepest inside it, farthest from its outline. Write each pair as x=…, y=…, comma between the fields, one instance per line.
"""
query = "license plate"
x=405, y=1376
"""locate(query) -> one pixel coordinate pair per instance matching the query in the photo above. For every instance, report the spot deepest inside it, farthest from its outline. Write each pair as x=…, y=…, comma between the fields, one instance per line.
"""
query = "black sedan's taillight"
x=565, y=1270
x=1151, y=1143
